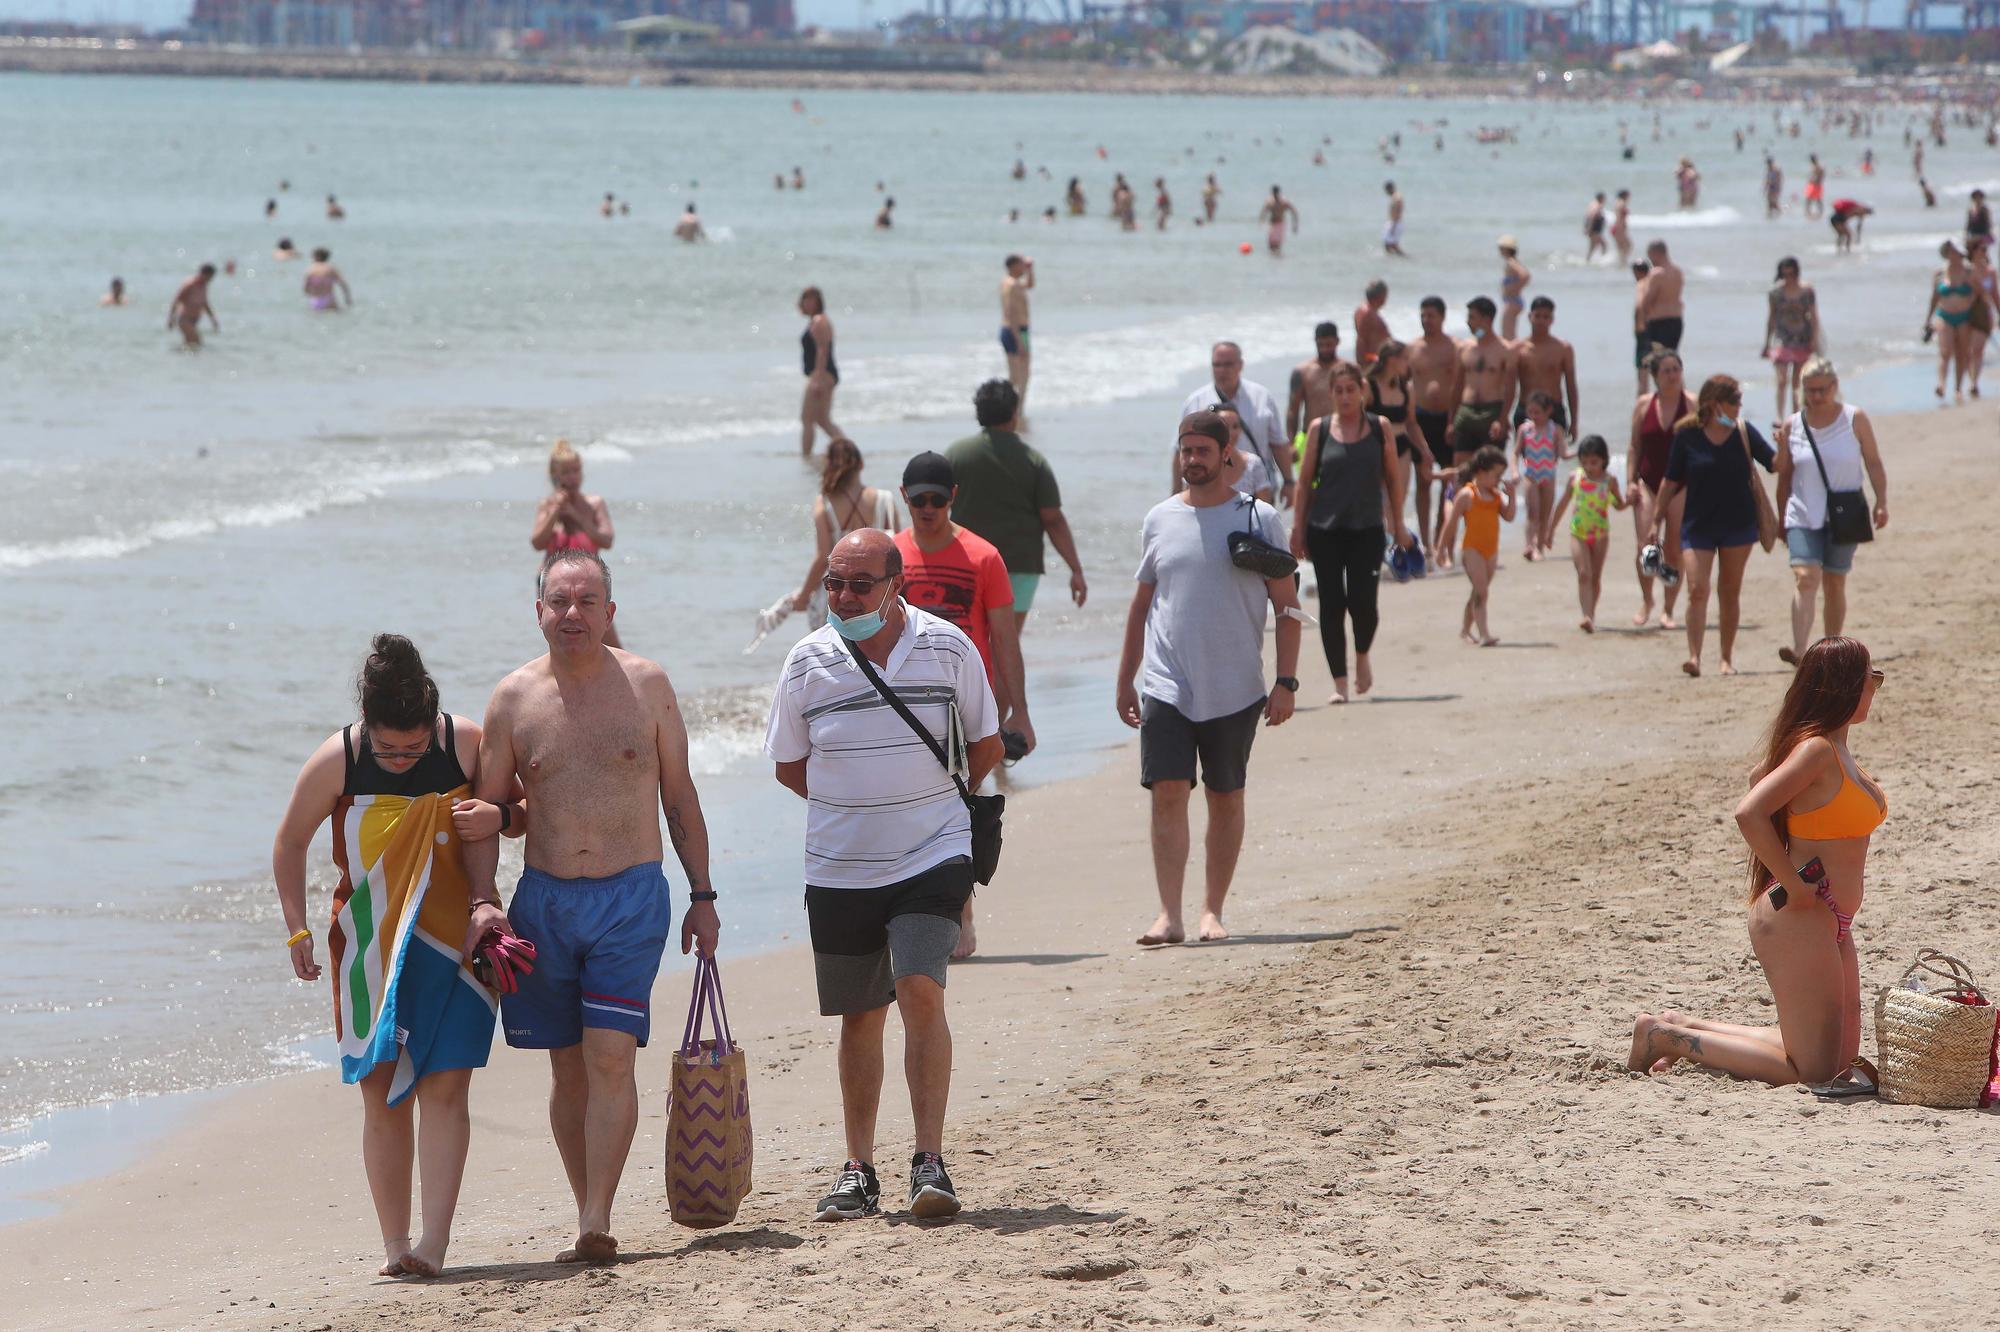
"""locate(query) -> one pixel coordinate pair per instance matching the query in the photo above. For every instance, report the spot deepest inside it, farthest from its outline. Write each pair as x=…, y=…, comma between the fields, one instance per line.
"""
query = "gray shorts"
x=866, y=939
x=1169, y=744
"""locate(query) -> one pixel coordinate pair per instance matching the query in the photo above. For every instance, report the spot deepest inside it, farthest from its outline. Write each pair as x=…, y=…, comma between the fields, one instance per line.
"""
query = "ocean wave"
x=1894, y=243
x=9, y=1155
x=1963, y=188
x=1717, y=215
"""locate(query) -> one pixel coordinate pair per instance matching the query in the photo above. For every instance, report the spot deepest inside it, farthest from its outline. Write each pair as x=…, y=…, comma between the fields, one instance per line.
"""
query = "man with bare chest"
x=1371, y=330
x=597, y=739
x=1548, y=365
x=1489, y=374
x=1312, y=381
x=190, y=304
x=1434, y=390
x=1660, y=306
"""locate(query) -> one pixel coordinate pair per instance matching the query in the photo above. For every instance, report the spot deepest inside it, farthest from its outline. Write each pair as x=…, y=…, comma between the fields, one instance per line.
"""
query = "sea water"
x=195, y=549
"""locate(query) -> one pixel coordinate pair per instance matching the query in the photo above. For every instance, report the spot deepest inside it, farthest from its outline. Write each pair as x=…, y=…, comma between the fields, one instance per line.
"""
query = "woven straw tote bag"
x=1934, y=1044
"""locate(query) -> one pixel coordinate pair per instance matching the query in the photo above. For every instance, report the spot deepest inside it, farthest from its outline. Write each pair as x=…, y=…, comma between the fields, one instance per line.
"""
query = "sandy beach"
x=1398, y=1095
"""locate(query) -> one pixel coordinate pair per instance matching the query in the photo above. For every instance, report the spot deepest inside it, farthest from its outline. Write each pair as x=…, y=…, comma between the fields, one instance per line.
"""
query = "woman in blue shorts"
x=1844, y=441
x=1710, y=464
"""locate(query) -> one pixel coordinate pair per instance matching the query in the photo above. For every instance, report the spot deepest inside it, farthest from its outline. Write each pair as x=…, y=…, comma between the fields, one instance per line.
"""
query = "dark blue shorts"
x=598, y=944
x=1702, y=538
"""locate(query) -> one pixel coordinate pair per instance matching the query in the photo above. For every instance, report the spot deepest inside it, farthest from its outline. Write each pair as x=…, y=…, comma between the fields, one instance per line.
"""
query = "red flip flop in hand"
x=501, y=959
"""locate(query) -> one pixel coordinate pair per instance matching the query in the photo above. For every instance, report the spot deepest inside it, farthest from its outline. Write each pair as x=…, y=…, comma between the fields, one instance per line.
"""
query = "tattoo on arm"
x=676, y=827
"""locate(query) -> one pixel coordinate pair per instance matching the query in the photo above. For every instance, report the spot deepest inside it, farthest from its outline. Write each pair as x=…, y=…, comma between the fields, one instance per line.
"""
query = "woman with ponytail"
x=409, y=1015
x=1807, y=821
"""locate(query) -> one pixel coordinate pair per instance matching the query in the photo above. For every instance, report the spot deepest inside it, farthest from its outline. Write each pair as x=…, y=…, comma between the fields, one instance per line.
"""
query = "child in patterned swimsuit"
x=1595, y=493
x=1538, y=449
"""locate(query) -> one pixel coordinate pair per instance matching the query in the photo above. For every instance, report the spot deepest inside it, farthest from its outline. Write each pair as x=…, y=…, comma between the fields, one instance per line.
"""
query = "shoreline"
x=1085, y=1066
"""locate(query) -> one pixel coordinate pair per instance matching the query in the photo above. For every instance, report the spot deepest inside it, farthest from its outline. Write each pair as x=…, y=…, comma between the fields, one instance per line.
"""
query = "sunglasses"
x=860, y=587
x=928, y=501
x=1877, y=676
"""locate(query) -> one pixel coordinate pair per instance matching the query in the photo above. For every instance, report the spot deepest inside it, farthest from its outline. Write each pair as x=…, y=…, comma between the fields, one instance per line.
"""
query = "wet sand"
x=1397, y=1095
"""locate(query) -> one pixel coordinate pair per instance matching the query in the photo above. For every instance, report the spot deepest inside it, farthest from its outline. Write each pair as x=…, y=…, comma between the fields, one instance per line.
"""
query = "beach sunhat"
x=1509, y=243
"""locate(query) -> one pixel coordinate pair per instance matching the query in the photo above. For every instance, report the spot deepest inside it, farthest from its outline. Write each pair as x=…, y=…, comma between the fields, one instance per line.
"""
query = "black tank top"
x=1393, y=415
x=811, y=349
x=433, y=774
x=1347, y=484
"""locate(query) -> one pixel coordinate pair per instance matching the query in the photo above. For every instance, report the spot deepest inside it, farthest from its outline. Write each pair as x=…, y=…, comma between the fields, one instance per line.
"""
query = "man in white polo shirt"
x=888, y=843
x=1263, y=421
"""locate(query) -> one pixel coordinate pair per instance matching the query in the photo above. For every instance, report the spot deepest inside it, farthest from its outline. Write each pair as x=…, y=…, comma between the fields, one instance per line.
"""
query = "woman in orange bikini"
x=1807, y=820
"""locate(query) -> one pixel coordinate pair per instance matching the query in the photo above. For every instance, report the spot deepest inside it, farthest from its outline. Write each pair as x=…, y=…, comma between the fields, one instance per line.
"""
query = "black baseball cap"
x=929, y=474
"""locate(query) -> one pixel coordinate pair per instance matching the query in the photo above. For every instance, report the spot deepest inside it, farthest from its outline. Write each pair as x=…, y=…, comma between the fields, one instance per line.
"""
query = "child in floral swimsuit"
x=1595, y=493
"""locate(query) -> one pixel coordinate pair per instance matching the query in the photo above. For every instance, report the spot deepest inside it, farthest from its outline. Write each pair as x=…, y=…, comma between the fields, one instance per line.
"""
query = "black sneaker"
x=931, y=1194
x=857, y=1193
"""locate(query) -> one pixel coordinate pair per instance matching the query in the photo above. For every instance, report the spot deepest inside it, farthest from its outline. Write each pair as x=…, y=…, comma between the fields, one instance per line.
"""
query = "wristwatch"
x=701, y=897
x=1290, y=682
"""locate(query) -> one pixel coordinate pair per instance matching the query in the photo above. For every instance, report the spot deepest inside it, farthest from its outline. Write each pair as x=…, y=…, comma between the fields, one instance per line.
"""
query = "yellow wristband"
x=302, y=934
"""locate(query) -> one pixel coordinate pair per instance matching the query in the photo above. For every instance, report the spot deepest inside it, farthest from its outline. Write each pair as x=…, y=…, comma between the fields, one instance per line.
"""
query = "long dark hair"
x=843, y=464
x=1384, y=354
x=395, y=690
x=1825, y=692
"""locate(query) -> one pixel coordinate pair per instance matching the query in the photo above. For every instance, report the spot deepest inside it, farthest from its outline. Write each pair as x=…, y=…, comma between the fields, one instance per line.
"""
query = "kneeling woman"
x=1811, y=808
x=409, y=1015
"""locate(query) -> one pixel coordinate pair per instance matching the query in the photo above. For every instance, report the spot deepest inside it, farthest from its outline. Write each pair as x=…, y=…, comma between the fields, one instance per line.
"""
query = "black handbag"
x=985, y=810
x=1847, y=520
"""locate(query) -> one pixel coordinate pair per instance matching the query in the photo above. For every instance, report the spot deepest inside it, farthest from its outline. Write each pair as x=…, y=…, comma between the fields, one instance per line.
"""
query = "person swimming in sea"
x=321, y=279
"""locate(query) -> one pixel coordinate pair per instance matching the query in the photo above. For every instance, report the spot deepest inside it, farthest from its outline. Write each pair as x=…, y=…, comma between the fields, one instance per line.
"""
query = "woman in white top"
x=843, y=505
x=1846, y=449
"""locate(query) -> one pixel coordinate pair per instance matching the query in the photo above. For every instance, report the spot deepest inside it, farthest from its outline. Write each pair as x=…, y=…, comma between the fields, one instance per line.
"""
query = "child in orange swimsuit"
x=1484, y=501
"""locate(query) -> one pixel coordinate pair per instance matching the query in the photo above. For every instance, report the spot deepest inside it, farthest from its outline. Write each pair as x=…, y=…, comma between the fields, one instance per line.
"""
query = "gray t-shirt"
x=1205, y=628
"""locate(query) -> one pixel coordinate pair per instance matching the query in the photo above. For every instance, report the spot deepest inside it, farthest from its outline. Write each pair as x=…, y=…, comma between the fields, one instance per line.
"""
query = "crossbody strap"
x=909, y=719
x=1818, y=461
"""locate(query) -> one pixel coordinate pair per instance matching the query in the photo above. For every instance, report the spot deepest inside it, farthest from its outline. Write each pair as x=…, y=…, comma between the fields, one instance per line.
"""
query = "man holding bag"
x=864, y=709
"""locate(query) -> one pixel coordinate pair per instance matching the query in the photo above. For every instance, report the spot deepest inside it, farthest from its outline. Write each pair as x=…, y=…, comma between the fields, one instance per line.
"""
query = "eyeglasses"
x=928, y=501
x=381, y=753
x=859, y=587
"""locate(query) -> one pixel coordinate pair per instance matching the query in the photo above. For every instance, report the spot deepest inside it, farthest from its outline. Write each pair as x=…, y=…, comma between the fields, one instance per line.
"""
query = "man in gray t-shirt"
x=1197, y=621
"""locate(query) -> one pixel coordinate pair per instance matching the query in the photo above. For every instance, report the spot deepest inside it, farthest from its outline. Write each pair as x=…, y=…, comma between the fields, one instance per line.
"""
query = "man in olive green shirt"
x=1008, y=495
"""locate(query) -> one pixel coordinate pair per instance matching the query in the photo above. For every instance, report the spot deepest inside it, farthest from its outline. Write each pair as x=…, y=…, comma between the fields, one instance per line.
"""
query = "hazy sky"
x=167, y=13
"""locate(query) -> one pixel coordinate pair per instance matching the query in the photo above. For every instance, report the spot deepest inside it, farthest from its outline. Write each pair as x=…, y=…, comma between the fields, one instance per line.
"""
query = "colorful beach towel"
x=400, y=994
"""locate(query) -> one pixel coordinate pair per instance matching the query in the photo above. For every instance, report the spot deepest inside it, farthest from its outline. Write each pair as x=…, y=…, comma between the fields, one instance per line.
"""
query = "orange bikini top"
x=1851, y=813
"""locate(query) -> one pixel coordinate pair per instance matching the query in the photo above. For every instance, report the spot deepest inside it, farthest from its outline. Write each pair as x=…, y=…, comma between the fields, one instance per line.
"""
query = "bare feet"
x=1667, y=620
x=1692, y=666
x=1728, y=667
x=1639, y=620
x=592, y=1246
x=1211, y=927
x=1364, y=674
x=1588, y=625
x=395, y=1251
x=1165, y=931
x=1789, y=657
x=417, y=1264
x=1642, y=1054
x=1529, y=554
x=1489, y=641
x=1339, y=690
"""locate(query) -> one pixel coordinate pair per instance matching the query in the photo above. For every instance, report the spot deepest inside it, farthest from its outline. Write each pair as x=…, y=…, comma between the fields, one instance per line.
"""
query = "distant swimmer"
x=1392, y=230
x=321, y=279
x=1074, y=200
x=1815, y=186
x=1774, y=187
x=1514, y=279
x=1978, y=219
x=1489, y=378
x=822, y=375
x=190, y=304
x=1370, y=329
x=1930, y=196
x=798, y=178
x=886, y=219
x=286, y=251
x=624, y=209
x=1688, y=180
x=1594, y=222
x=689, y=227
x=1211, y=194
x=1122, y=204
x=1163, y=203
x=270, y=208
x=1049, y=213
x=334, y=212
x=1660, y=303
x=1020, y=171
x=115, y=296
x=1312, y=381
x=609, y=208
x=778, y=182
x=1621, y=226
x=1014, y=289
x=1274, y=212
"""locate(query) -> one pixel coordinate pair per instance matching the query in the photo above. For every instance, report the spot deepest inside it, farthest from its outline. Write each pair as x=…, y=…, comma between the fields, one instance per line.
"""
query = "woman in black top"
x=1710, y=465
x=1350, y=461
x=1389, y=398
x=822, y=375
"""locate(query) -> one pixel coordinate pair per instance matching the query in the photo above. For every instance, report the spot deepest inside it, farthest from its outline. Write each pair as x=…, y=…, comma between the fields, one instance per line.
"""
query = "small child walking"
x=1594, y=491
x=1540, y=446
x=1485, y=500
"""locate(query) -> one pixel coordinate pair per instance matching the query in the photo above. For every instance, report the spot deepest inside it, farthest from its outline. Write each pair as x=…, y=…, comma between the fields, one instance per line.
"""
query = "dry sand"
x=1397, y=1096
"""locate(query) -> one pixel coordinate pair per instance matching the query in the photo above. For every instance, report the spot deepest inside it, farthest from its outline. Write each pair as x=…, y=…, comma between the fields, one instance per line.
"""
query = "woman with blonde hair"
x=843, y=505
x=1825, y=445
x=568, y=519
x=1807, y=821
x=1710, y=466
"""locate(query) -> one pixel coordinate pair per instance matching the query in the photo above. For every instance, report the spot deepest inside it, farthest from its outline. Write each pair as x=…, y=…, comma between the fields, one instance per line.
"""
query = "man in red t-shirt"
x=958, y=575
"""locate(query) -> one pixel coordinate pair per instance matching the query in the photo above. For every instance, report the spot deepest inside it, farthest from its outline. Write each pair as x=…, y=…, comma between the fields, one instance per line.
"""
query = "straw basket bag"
x=1934, y=1038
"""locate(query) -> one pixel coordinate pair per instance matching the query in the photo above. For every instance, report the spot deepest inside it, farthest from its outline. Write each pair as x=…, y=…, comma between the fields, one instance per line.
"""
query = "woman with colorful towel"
x=1807, y=820
x=408, y=1013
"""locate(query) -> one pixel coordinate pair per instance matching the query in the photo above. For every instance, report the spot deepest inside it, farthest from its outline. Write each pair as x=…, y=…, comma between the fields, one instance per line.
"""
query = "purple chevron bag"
x=708, y=1114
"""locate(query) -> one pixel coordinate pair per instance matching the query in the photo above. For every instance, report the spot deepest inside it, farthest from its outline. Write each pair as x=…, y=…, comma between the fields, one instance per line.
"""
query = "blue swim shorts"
x=1024, y=586
x=598, y=944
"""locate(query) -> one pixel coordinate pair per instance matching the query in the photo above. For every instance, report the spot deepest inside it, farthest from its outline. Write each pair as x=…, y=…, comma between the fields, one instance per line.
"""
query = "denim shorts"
x=1812, y=546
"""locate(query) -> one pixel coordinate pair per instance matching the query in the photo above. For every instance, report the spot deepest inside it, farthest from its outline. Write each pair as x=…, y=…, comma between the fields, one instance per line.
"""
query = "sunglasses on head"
x=1877, y=676
x=928, y=501
x=859, y=587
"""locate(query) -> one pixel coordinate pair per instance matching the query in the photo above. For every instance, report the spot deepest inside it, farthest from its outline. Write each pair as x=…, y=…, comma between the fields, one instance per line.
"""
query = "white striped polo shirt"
x=880, y=808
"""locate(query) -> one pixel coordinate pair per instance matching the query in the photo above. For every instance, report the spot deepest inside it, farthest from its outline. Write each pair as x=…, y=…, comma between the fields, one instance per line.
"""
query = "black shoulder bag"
x=1847, y=519
x=985, y=810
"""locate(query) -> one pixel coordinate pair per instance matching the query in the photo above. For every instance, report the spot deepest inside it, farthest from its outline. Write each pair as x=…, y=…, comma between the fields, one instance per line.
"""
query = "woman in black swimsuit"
x=1389, y=398
x=822, y=375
